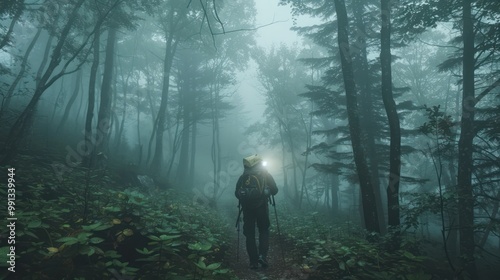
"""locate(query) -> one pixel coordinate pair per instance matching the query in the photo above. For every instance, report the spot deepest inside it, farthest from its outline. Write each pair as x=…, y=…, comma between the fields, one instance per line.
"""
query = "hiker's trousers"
x=256, y=217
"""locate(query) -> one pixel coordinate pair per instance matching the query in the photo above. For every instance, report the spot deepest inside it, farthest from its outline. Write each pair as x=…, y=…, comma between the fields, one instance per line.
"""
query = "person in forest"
x=253, y=189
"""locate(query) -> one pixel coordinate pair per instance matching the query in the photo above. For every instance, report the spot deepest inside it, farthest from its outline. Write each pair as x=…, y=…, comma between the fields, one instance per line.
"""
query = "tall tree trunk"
x=175, y=143
x=56, y=103
x=154, y=116
x=48, y=46
x=71, y=100
x=308, y=130
x=286, y=186
x=81, y=104
x=392, y=116
x=465, y=146
x=119, y=133
x=367, y=193
x=171, y=46
x=23, y=122
x=366, y=104
x=192, y=160
x=89, y=141
x=139, y=142
x=215, y=154
x=104, y=114
x=186, y=101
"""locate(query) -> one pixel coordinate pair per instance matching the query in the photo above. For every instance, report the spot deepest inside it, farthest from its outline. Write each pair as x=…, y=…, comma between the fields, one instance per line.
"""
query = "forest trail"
x=280, y=267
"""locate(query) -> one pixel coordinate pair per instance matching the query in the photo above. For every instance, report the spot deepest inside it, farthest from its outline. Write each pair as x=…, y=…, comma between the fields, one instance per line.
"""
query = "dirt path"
x=278, y=269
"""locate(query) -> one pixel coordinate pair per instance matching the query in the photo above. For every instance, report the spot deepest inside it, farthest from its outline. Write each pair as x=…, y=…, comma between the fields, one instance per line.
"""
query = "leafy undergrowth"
x=90, y=226
x=340, y=251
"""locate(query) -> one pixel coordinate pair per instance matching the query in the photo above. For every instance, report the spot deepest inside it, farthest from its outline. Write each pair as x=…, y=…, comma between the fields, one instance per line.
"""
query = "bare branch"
x=250, y=29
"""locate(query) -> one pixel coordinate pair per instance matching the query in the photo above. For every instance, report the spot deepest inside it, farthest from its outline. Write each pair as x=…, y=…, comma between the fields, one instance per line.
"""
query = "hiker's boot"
x=263, y=261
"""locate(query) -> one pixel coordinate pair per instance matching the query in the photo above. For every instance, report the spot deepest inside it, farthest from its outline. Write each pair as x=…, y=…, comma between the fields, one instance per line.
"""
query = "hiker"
x=253, y=189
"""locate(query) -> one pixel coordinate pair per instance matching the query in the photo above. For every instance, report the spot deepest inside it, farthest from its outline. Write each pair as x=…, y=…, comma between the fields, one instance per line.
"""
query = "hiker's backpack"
x=251, y=191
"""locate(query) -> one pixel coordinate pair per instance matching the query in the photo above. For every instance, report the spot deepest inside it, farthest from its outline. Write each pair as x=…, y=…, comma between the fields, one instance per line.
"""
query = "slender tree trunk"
x=334, y=178
x=125, y=89
x=367, y=193
x=192, y=160
x=154, y=118
x=171, y=46
x=56, y=103
x=308, y=131
x=122, y=122
x=175, y=143
x=89, y=141
x=294, y=165
x=392, y=116
x=465, y=147
x=215, y=154
x=71, y=100
x=286, y=186
x=182, y=169
x=104, y=114
x=81, y=104
x=139, y=142
x=48, y=46
x=452, y=218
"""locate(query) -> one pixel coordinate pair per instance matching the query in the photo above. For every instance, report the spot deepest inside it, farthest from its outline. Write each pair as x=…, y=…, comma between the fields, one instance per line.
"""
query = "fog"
x=124, y=125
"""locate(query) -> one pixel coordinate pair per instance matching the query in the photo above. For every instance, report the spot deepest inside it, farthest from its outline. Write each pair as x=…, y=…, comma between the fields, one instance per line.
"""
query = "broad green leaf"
x=87, y=250
x=102, y=227
x=68, y=240
x=96, y=240
x=168, y=237
x=222, y=271
x=83, y=237
x=213, y=266
x=155, y=238
x=91, y=227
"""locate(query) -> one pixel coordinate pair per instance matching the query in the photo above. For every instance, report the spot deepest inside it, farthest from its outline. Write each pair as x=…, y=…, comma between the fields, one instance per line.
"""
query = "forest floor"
x=278, y=267
x=283, y=260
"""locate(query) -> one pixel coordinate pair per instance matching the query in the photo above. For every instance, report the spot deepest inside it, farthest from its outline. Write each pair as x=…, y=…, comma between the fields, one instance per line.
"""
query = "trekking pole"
x=279, y=232
x=238, y=229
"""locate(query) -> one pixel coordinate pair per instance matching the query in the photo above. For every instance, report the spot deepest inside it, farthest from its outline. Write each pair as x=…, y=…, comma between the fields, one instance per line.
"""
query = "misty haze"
x=250, y=139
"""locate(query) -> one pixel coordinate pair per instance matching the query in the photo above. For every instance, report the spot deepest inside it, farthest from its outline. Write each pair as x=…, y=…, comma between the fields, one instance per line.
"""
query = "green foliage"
x=340, y=252
x=127, y=232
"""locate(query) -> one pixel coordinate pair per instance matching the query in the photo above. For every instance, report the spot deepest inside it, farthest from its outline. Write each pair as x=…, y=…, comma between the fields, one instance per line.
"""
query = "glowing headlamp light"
x=264, y=163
